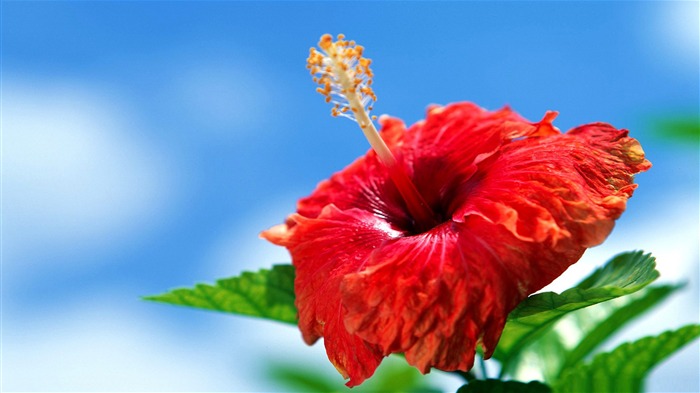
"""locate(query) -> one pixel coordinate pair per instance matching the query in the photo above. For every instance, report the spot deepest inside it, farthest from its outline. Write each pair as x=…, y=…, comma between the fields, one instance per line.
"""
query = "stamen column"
x=345, y=76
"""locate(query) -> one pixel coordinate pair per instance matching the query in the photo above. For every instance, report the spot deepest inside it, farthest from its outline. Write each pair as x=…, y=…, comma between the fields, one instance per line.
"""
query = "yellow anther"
x=326, y=42
x=343, y=74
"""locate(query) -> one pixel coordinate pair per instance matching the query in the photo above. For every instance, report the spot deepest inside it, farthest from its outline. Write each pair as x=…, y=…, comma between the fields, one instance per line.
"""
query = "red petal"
x=520, y=201
x=363, y=185
x=570, y=186
x=443, y=150
x=325, y=249
x=436, y=295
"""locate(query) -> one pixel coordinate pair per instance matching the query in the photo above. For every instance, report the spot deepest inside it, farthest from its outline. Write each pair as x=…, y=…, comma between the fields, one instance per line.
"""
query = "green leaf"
x=682, y=128
x=625, y=274
x=579, y=333
x=265, y=294
x=302, y=379
x=393, y=375
x=615, y=320
x=624, y=369
x=498, y=386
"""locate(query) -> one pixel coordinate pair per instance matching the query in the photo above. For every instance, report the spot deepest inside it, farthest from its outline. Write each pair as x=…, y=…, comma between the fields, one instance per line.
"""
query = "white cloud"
x=77, y=176
x=673, y=31
x=98, y=345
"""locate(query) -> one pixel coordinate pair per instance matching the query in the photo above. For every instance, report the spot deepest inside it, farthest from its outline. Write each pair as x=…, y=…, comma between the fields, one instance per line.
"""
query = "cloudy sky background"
x=145, y=146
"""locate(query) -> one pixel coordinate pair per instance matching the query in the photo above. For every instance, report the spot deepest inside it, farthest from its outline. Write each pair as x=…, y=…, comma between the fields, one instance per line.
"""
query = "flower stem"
x=482, y=366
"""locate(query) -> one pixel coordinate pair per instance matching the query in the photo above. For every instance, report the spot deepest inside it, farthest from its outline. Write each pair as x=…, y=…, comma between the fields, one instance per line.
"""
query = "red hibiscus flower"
x=504, y=206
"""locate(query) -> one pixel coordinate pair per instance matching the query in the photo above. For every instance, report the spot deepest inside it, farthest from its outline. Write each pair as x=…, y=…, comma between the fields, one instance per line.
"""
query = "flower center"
x=345, y=80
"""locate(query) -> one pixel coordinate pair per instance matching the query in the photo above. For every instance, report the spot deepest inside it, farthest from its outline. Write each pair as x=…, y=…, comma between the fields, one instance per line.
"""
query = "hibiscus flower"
x=426, y=252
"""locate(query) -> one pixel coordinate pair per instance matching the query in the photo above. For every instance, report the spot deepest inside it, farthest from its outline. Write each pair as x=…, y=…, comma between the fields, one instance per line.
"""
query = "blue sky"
x=146, y=144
